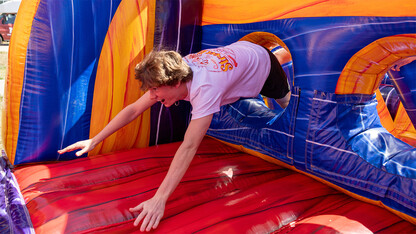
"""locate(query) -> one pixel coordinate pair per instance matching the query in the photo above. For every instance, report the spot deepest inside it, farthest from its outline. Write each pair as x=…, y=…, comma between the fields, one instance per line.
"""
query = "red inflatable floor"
x=224, y=191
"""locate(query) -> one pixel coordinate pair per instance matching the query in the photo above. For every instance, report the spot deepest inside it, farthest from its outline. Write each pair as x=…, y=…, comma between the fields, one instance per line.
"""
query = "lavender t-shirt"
x=224, y=75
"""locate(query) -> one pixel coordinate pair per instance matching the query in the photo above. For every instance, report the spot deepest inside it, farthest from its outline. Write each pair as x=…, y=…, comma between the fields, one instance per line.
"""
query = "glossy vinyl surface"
x=224, y=190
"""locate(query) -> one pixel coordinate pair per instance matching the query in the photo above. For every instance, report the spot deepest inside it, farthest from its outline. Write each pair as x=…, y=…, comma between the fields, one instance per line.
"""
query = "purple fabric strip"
x=14, y=216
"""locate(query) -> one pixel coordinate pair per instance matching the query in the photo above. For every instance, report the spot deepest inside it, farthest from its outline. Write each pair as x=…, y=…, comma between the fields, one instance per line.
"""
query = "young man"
x=208, y=79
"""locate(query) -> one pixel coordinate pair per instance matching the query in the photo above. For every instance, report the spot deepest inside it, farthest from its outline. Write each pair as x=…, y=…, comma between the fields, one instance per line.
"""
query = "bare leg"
x=283, y=57
x=283, y=102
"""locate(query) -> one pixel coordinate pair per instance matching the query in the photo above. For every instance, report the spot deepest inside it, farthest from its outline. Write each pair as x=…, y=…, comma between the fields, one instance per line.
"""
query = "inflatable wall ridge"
x=364, y=158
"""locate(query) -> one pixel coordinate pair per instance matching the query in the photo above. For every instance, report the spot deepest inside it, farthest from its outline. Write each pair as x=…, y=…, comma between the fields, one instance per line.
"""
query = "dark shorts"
x=276, y=85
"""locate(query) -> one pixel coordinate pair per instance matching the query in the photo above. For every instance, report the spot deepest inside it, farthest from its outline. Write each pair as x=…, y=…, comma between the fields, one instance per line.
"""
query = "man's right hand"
x=85, y=146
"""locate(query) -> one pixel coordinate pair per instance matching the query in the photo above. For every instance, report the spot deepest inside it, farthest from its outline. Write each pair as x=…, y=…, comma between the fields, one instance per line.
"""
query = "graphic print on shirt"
x=215, y=60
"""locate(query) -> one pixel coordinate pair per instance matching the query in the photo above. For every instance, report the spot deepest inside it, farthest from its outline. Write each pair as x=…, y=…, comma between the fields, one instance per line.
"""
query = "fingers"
x=83, y=145
x=137, y=208
x=149, y=220
x=81, y=152
x=157, y=220
x=139, y=218
x=150, y=224
x=141, y=215
x=69, y=148
x=146, y=223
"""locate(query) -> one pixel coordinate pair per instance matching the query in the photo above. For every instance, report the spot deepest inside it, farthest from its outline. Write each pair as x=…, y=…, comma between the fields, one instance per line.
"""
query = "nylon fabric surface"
x=304, y=35
x=402, y=81
x=14, y=216
x=244, y=11
x=343, y=141
x=224, y=190
x=15, y=73
x=55, y=111
x=177, y=28
x=128, y=39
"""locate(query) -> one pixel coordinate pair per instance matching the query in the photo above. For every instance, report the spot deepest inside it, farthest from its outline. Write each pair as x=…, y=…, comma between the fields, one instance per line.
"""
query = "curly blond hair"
x=160, y=68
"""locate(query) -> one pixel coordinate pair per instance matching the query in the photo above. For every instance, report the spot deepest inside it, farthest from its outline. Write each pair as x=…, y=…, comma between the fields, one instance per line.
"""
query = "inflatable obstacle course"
x=71, y=71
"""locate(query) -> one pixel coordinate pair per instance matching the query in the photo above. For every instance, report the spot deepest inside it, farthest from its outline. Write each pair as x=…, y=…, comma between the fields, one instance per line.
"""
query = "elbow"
x=190, y=146
x=132, y=112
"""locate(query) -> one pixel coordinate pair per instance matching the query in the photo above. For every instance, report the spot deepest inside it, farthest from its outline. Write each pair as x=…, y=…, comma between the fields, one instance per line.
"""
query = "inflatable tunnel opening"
x=281, y=51
x=366, y=72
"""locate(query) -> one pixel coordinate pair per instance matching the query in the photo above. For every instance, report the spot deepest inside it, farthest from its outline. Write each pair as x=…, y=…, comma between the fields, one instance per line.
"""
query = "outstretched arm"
x=128, y=114
x=153, y=209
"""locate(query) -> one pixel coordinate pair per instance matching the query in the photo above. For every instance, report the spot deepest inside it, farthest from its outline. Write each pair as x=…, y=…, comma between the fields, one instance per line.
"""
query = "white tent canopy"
x=10, y=6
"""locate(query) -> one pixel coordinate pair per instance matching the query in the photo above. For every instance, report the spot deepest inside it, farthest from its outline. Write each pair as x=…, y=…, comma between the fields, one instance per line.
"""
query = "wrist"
x=94, y=141
x=161, y=196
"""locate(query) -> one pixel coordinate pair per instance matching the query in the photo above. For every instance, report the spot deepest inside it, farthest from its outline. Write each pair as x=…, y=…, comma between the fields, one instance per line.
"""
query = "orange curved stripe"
x=15, y=75
x=365, y=70
x=129, y=38
x=266, y=39
x=404, y=126
x=248, y=11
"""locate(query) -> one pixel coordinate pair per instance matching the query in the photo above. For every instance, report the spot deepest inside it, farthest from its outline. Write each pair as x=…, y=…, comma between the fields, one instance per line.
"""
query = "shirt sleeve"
x=206, y=101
